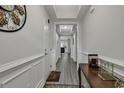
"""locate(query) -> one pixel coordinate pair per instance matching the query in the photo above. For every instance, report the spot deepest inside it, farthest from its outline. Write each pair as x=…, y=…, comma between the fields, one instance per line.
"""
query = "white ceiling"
x=66, y=28
x=66, y=11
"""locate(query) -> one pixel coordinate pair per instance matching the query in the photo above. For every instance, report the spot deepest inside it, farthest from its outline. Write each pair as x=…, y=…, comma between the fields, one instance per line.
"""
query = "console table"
x=91, y=75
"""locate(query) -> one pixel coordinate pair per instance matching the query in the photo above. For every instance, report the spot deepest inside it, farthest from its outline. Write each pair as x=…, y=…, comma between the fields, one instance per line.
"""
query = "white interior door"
x=47, y=50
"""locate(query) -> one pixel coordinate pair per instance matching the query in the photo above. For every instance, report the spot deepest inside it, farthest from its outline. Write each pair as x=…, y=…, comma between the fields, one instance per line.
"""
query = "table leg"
x=79, y=75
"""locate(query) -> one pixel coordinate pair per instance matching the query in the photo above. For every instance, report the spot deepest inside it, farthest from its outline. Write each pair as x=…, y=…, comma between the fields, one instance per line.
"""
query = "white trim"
x=19, y=62
x=40, y=84
x=112, y=60
x=37, y=63
x=68, y=22
x=107, y=59
x=15, y=76
x=84, y=53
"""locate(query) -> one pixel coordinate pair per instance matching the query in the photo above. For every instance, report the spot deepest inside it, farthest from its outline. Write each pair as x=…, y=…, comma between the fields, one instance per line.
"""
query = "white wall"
x=74, y=47
x=102, y=32
x=27, y=41
x=24, y=49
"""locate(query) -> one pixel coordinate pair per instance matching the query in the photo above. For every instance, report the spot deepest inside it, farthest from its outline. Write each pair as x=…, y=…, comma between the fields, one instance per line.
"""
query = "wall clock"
x=12, y=17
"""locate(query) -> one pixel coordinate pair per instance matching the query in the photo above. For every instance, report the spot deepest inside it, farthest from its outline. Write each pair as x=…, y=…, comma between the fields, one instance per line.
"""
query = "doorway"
x=67, y=34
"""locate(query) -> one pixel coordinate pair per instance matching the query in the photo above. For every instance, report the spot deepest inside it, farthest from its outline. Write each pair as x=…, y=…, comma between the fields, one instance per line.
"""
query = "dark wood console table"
x=92, y=77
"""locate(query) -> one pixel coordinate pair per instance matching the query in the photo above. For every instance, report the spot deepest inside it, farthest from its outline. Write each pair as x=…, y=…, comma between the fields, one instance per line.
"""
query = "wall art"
x=12, y=17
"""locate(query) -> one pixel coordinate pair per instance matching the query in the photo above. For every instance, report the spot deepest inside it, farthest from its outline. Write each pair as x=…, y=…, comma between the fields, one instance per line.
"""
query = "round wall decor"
x=12, y=17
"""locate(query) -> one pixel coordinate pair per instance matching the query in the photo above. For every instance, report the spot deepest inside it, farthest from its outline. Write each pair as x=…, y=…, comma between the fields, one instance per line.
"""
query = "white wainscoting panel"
x=18, y=75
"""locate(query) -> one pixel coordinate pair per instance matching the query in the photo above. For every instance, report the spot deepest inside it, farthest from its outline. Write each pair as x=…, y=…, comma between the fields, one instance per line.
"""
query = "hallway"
x=88, y=36
x=68, y=70
x=69, y=74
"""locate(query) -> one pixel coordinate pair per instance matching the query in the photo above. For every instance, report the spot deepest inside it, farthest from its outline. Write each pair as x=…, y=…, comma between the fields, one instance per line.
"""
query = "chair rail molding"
x=19, y=62
x=107, y=59
x=84, y=53
x=112, y=60
x=36, y=60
